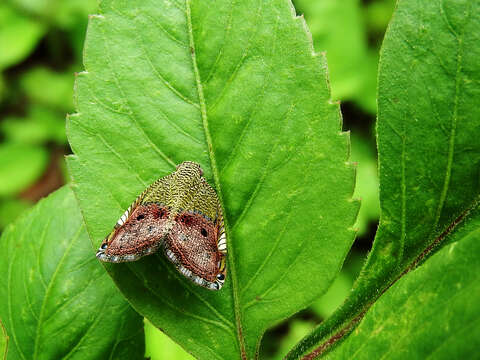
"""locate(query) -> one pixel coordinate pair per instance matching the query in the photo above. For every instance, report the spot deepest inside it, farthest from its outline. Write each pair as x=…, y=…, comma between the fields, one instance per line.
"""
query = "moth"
x=181, y=214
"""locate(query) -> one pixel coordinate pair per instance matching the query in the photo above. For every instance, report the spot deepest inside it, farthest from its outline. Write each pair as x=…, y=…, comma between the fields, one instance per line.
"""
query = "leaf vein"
x=49, y=288
x=203, y=111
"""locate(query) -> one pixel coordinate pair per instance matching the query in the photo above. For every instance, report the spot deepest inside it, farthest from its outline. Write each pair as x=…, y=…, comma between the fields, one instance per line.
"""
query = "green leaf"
x=429, y=153
x=39, y=126
x=56, y=300
x=65, y=14
x=18, y=35
x=10, y=209
x=378, y=14
x=21, y=166
x=48, y=87
x=3, y=342
x=431, y=313
x=159, y=346
x=297, y=330
x=334, y=297
x=237, y=88
x=337, y=27
x=366, y=186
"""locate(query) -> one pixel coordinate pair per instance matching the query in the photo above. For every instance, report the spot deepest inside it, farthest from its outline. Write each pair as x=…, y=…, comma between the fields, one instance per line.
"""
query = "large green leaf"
x=237, y=88
x=56, y=300
x=429, y=153
x=433, y=312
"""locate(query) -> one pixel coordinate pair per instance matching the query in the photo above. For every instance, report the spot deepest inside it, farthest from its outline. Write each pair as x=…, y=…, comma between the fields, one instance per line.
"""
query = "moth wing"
x=206, y=201
x=134, y=237
x=141, y=234
x=159, y=192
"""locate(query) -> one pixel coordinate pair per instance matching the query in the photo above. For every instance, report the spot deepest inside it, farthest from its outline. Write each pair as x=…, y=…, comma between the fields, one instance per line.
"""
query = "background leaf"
x=159, y=346
x=64, y=14
x=39, y=126
x=18, y=35
x=237, y=88
x=10, y=209
x=429, y=153
x=56, y=300
x=431, y=313
x=48, y=87
x=21, y=166
x=366, y=184
x=338, y=27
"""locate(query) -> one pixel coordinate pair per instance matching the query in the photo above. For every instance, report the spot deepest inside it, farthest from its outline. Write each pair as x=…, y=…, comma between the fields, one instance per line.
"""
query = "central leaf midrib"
x=215, y=173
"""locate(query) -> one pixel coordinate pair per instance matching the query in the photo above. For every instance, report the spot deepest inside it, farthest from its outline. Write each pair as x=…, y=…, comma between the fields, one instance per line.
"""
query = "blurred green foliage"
x=21, y=166
x=19, y=34
x=350, y=33
x=367, y=185
x=41, y=45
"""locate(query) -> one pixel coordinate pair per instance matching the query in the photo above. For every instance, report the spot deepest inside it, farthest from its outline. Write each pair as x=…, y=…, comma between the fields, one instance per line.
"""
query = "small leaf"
x=21, y=166
x=431, y=313
x=56, y=300
x=237, y=88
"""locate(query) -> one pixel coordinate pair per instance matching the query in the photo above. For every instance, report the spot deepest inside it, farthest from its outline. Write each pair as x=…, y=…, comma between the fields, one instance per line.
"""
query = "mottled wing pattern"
x=141, y=229
x=159, y=192
x=182, y=212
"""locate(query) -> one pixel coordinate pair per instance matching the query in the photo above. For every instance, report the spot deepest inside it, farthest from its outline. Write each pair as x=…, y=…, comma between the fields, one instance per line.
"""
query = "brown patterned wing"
x=141, y=229
x=197, y=243
x=141, y=233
